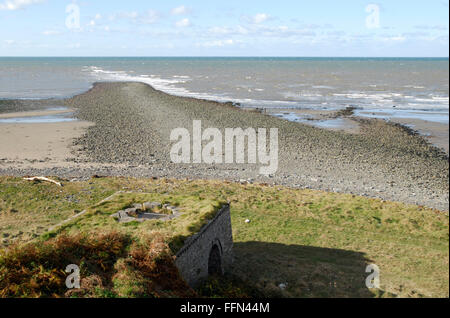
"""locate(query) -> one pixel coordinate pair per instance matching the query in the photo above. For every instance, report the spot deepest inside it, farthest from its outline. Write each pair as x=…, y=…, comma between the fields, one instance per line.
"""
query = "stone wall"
x=208, y=252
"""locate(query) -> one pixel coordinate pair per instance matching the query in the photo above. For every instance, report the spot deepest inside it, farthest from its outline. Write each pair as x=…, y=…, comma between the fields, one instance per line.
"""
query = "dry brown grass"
x=111, y=265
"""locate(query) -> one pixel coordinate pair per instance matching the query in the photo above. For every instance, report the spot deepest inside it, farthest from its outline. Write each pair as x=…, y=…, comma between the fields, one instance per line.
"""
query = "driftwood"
x=43, y=179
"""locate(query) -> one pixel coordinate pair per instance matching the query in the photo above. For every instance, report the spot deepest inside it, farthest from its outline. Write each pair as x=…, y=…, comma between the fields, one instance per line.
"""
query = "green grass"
x=29, y=209
x=196, y=212
x=318, y=243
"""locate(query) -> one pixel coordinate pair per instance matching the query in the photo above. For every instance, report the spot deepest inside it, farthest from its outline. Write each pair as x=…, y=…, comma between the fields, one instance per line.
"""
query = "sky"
x=346, y=28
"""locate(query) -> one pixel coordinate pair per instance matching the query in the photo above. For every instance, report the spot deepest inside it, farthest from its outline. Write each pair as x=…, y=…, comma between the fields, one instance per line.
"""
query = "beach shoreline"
x=437, y=133
x=132, y=124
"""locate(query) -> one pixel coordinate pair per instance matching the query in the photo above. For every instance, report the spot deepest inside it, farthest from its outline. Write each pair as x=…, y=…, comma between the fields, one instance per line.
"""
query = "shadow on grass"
x=306, y=271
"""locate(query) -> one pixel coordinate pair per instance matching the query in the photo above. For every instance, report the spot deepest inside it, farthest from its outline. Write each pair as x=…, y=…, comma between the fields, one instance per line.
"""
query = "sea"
x=376, y=87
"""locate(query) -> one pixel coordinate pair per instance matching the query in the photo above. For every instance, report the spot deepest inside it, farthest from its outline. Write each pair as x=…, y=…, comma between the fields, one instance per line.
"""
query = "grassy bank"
x=318, y=244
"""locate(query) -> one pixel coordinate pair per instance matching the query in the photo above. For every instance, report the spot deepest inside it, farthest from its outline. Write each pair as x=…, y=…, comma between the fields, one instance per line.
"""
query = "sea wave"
x=289, y=99
x=172, y=86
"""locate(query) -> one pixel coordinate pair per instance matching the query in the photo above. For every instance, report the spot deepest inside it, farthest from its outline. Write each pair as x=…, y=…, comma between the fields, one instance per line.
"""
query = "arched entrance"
x=215, y=261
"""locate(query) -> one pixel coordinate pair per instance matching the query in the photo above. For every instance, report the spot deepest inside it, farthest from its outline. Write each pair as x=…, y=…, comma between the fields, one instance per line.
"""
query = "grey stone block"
x=210, y=251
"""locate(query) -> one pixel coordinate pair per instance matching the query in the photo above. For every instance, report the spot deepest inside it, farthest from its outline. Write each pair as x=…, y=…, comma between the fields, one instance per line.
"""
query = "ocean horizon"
x=407, y=87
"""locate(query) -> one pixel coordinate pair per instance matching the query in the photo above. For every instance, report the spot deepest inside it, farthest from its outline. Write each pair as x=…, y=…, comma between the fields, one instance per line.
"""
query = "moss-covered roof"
x=195, y=212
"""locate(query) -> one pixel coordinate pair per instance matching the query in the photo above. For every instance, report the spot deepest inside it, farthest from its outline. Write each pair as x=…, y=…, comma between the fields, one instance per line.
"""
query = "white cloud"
x=260, y=31
x=51, y=32
x=397, y=38
x=10, y=42
x=180, y=10
x=443, y=39
x=74, y=46
x=183, y=23
x=242, y=30
x=440, y=27
x=148, y=17
x=129, y=15
x=260, y=18
x=239, y=30
x=218, y=43
x=17, y=4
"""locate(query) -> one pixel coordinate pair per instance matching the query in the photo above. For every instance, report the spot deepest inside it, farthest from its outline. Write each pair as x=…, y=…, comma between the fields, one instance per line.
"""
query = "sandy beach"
x=131, y=137
x=43, y=145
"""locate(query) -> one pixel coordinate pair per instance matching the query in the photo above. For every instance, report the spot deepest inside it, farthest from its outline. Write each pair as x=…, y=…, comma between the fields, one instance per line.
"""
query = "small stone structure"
x=143, y=212
x=208, y=252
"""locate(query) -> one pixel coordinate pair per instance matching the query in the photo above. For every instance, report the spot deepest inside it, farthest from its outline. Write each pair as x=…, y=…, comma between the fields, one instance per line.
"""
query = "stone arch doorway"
x=215, y=261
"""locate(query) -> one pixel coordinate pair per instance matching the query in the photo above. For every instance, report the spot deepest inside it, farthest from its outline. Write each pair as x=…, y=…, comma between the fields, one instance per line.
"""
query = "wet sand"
x=436, y=133
x=35, y=113
x=39, y=144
